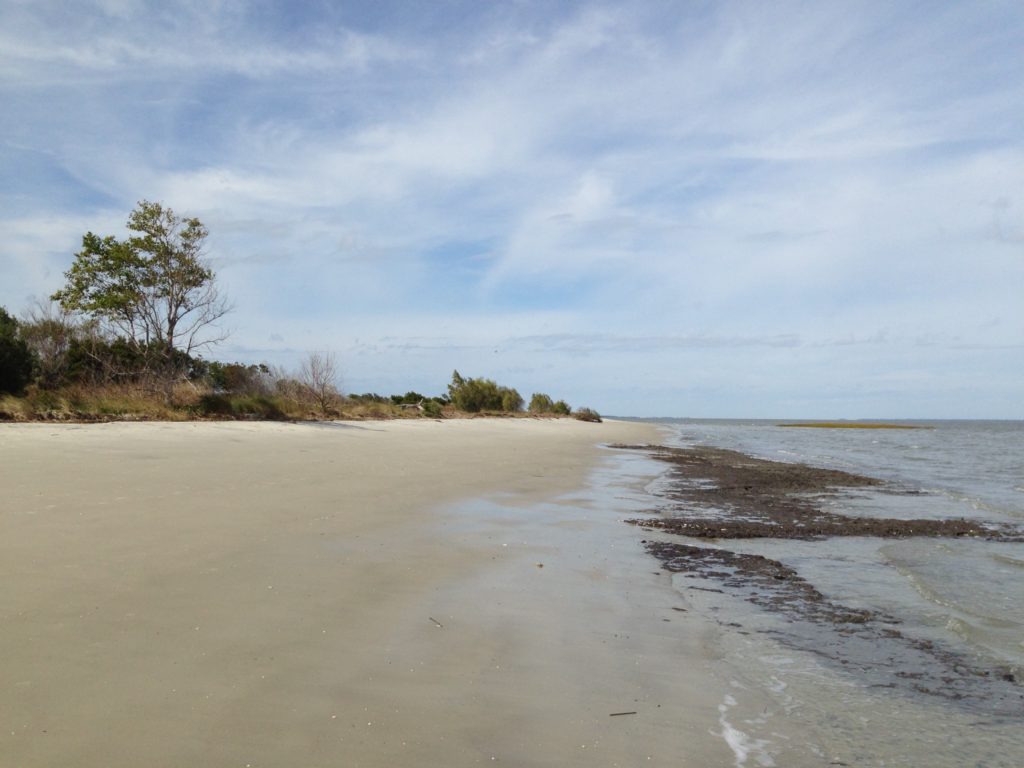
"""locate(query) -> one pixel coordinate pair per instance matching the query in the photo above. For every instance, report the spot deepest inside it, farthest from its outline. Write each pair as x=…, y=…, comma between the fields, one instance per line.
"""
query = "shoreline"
x=858, y=612
x=784, y=501
x=374, y=593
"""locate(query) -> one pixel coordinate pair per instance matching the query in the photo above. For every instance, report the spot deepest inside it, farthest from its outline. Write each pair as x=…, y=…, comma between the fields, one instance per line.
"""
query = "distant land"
x=853, y=425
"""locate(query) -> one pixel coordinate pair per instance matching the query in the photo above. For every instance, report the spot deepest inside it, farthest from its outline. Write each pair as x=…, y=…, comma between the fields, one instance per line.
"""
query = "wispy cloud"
x=746, y=187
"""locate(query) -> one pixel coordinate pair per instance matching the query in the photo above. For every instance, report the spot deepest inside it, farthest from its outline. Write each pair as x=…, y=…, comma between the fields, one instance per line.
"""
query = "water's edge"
x=787, y=702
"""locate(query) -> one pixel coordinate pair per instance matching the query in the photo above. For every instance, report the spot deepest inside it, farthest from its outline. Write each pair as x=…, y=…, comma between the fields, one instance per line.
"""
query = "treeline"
x=125, y=336
x=54, y=365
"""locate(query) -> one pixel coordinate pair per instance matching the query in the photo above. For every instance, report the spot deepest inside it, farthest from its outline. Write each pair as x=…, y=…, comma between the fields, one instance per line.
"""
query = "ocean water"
x=803, y=694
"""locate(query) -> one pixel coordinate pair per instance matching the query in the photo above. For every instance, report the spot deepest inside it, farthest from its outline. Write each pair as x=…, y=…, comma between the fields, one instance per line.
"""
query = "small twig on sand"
x=619, y=714
x=436, y=621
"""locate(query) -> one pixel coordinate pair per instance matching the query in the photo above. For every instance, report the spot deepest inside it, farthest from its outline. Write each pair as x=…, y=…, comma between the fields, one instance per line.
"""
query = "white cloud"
x=846, y=178
x=135, y=41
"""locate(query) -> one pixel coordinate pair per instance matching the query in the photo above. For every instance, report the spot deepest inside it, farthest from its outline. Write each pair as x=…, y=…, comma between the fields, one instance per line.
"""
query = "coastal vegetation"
x=588, y=414
x=16, y=362
x=541, y=404
x=126, y=335
x=477, y=395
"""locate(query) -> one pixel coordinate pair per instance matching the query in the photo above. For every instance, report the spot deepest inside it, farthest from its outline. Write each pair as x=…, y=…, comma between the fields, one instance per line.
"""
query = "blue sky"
x=736, y=209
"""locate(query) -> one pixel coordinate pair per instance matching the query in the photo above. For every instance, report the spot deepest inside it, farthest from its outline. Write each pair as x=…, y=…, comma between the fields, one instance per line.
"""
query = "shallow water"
x=801, y=694
x=960, y=468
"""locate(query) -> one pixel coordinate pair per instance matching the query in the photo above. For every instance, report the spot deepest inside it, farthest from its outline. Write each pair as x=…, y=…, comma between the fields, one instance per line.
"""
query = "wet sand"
x=375, y=594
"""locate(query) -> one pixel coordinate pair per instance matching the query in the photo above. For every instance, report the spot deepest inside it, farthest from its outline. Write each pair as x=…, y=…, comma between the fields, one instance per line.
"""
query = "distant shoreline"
x=853, y=425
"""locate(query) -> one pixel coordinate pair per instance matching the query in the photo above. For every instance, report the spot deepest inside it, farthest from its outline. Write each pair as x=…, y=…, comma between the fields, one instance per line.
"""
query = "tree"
x=155, y=289
x=16, y=359
x=319, y=379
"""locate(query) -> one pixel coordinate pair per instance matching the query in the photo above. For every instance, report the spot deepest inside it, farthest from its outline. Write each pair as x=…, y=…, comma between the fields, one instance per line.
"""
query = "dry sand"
x=336, y=595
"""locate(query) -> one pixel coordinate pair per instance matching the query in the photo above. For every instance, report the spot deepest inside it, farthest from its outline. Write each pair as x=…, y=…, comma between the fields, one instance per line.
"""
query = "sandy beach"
x=352, y=594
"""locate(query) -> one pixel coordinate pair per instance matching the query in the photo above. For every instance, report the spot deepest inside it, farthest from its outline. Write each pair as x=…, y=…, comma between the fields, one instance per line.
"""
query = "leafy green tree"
x=16, y=359
x=561, y=408
x=155, y=289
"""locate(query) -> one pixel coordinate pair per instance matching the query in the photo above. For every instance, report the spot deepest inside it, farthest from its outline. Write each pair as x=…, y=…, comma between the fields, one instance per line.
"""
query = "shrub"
x=49, y=332
x=239, y=378
x=433, y=408
x=588, y=414
x=16, y=359
x=540, y=403
x=253, y=406
x=12, y=408
x=511, y=401
x=370, y=397
x=214, y=404
x=475, y=395
x=318, y=377
x=409, y=398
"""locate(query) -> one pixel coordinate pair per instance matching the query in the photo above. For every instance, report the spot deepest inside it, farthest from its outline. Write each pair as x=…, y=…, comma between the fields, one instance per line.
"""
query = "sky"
x=706, y=209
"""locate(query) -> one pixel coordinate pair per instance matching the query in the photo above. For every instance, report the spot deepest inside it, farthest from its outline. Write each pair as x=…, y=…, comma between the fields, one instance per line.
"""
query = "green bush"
x=475, y=395
x=238, y=377
x=215, y=404
x=511, y=401
x=561, y=408
x=369, y=397
x=409, y=398
x=588, y=414
x=540, y=403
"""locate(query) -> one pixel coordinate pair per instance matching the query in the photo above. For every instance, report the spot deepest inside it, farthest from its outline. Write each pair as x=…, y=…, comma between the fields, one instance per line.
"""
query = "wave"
x=1007, y=560
x=741, y=743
